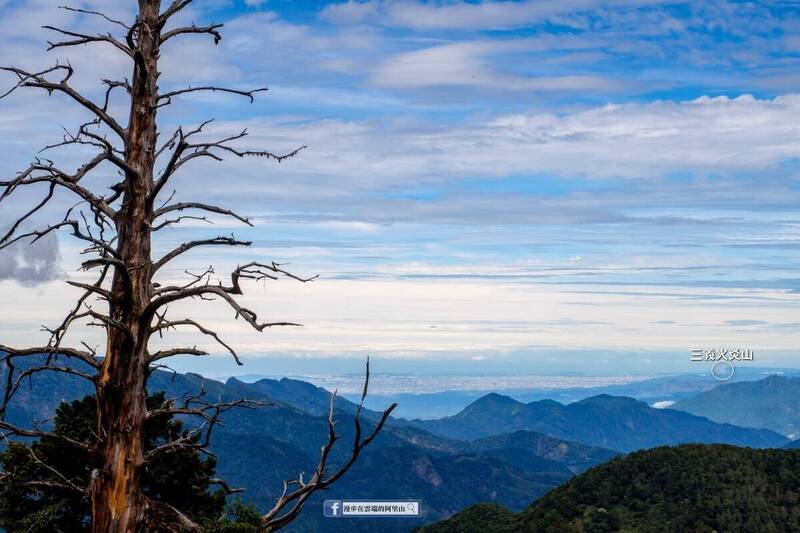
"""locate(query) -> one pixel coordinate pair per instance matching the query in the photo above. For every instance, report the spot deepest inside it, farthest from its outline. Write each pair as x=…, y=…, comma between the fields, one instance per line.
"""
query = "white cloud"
x=351, y=12
x=463, y=15
x=468, y=64
x=31, y=264
x=663, y=404
x=633, y=140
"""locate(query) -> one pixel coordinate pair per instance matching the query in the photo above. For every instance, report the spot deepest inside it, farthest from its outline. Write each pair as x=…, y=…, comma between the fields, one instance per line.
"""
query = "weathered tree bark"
x=118, y=504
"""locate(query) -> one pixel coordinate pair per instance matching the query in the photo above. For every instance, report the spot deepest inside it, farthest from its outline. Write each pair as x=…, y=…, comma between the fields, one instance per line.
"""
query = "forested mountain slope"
x=684, y=489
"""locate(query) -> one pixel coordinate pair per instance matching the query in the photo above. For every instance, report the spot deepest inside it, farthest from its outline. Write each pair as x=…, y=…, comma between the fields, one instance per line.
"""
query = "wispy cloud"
x=31, y=264
x=469, y=64
x=489, y=15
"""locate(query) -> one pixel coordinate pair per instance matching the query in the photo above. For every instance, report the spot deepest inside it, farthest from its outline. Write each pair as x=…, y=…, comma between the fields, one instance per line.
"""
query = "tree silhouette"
x=117, y=229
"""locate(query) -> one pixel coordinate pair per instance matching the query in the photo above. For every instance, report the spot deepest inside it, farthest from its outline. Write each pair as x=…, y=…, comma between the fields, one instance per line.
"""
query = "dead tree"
x=126, y=299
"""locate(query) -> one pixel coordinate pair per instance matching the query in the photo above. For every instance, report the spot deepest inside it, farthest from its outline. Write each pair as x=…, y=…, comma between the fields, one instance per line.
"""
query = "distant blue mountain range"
x=615, y=422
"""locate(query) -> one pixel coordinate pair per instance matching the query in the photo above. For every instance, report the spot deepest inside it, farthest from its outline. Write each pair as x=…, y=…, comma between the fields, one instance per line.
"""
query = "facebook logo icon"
x=332, y=508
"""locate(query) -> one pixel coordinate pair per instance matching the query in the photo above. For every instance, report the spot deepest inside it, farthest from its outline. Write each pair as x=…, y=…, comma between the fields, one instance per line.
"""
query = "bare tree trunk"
x=118, y=504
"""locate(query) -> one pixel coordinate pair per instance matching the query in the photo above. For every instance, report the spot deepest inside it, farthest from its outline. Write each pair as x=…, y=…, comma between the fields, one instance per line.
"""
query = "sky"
x=497, y=186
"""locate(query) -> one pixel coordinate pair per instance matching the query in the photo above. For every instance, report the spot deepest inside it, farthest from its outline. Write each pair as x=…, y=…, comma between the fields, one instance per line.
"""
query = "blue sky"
x=488, y=183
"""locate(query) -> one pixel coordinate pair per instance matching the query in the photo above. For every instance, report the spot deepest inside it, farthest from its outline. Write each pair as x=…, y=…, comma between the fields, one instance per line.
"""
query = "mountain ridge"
x=772, y=403
x=606, y=421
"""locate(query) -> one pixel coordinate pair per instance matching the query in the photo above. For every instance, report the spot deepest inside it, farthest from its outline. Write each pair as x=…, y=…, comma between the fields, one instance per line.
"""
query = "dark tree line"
x=126, y=299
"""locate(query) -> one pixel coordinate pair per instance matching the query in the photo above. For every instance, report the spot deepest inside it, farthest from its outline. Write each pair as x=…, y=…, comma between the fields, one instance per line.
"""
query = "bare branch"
x=64, y=479
x=82, y=38
x=31, y=212
x=52, y=485
x=202, y=207
x=53, y=368
x=207, y=150
x=185, y=247
x=97, y=13
x=261, y=153
x=9, y=430
x=161, y=516
x=211, y=29
x=113, y=84
x=225, y=487
x=54, y=176
x=57, y=334
x=38, y=234
x=176, y=220
x=118, y=264
x=178, y=141
x=92, y=289
x=38, y=80
x=203, y=410
x=295, y=500
x=72, y=353
x=89, y=138
x=252, y=271
x=195, y=405
x=198, y=278
x=173, y=324
x=12, y=385
x=172, y=352
x=184, y=151
x=175, y=7
x=249, y=94
x=105, y=321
